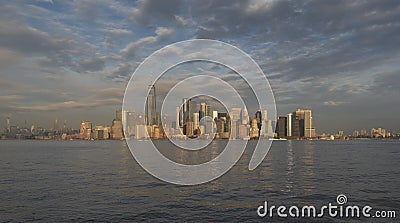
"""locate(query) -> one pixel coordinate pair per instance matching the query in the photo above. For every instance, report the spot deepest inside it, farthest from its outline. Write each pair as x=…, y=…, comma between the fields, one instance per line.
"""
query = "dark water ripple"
x=98, y=181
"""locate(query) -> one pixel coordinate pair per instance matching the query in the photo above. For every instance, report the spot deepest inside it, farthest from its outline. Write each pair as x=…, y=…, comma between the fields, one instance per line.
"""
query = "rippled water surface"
x=99, y=181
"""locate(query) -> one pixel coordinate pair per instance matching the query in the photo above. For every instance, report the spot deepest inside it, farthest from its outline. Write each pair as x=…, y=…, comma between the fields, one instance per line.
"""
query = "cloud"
x=332, y=56
x=68, y=105
x=121, y=72
x=92, y=64
x=148, y=10
x=117, y=32
x=162, y=34
x=12, y=97
x=334, y=103
x=109, y=93
x=28, y=40
x=9, y=58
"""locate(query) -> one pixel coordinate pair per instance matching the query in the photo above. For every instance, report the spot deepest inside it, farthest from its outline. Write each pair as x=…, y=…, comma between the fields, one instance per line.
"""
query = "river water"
x=99, y=181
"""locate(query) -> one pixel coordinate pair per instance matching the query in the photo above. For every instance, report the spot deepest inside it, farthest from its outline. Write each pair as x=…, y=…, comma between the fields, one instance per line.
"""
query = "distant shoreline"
x=351, y=139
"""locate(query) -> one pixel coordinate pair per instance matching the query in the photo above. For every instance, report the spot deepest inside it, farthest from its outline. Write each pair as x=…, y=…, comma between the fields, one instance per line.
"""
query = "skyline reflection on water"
x=80, y=181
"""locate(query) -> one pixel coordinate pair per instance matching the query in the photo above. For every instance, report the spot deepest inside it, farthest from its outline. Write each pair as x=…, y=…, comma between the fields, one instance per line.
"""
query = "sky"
x=71, y=60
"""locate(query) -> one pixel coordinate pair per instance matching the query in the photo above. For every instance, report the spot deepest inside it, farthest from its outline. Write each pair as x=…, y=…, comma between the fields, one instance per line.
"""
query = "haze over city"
x=71, y=60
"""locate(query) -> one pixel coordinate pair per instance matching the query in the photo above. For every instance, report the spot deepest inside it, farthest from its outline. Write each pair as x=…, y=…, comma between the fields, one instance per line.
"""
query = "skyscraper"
x=264, y=127
x=177, y=119
x=245, y=117
x=55, y=124
x=258, y=118
x=208, y=111
x=85, y=130
x=189, y=128
x=182, y=112
x=264, y=115
x=8, y=124
x=151, y=107
x=289, y=124
x=301, y=125
x=281, y=126
x=202, y=111
x=309, y=131
x=254, y=130
x=235, y=114
x=195, y=120
x=214, y=115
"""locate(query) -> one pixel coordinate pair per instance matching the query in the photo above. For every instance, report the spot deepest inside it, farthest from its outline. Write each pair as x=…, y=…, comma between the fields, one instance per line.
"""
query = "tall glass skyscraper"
x=151, y=115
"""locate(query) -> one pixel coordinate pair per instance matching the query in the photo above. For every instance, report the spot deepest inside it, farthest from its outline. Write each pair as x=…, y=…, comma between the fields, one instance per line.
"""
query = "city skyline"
x=63, y=60
x=283, y=127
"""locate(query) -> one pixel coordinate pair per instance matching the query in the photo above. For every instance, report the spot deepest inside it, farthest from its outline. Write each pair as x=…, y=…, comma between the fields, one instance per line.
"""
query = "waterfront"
x=99, y=181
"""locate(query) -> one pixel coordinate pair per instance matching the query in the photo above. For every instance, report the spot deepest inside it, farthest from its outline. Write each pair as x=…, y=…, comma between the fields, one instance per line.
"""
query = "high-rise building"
x=243, y=132
x=151, y=108
x=309, y=131
x=228, y=124
x=301, y=125
x=192, y=108
x=281, y=126
x=85, y=130
x=189, y=128
x=264, y=115
x=220, y=125
x=289, y=125
x=101, y=132
x=363, y=132
x=189, y=107
x=208, y=111
x=116, y=129
x=131, y=120
x=214, y=115
x=254, y=130
x=177, y=124
x=8, y=124
x=202, y=111
x=141, y=132
x=118, y=115
x=183, y=112
x=234, y=129
x=235, y=116
x=195, y=120
x=56, y=125
x=264, y=124
x=116, y=126
x=259, y=119
x=245, y=117
x=270, y=131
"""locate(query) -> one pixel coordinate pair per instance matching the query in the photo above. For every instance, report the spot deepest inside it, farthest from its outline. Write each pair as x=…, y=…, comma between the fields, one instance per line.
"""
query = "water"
x=99, y=181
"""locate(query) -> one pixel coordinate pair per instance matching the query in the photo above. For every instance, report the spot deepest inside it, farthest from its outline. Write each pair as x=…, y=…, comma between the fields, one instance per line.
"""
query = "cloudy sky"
x=71, y=60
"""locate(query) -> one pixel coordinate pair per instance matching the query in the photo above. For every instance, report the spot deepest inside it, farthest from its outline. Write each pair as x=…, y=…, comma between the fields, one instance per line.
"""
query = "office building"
x=245, y=117
x=208, y=111
x=151, y=108
x=235, y=114
x=281, y=127
x=259, y=119
x=177, y=124
x=85, y=130
x=289, y=125
x=202, y=111
x=254, y=130
x=243, y=132
x=196, y=120
x=189, y=130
